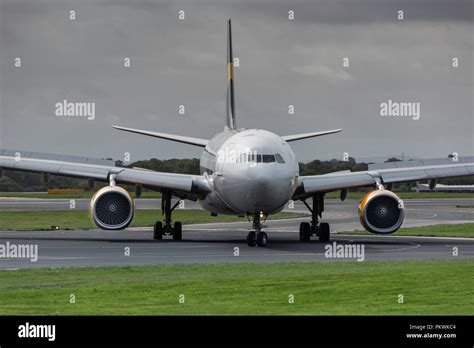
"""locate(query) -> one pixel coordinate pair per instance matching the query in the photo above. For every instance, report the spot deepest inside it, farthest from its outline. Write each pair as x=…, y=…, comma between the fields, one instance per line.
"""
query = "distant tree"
x=318, y=167
x=393, y=159
x=8, y=185
x=185, y=166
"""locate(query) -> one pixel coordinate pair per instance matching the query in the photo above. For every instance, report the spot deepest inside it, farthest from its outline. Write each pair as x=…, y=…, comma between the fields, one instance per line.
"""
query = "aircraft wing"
x=183, y=184
x=386, y=173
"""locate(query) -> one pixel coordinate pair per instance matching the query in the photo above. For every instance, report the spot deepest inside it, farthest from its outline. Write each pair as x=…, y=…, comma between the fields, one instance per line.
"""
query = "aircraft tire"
x=262, y=239
x=305, y=231
x=158, y=230
x=177, y=231
x=324, y=232
x=251, y=239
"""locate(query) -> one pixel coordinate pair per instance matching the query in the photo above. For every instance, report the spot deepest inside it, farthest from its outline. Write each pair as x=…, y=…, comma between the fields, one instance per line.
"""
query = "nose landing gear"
x=320, y=229
x=257, y=237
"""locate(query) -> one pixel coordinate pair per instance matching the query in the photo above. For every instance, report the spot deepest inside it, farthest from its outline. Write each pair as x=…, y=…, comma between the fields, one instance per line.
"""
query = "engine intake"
x=381, y=211
x=112, y=208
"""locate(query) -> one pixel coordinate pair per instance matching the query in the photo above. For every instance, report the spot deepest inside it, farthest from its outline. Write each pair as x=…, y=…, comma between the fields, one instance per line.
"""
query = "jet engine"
x=112, y=208
x=381, y=211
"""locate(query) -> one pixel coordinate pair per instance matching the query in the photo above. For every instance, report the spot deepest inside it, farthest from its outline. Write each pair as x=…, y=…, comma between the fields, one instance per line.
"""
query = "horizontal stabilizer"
x=309, y=135
x=172, y=137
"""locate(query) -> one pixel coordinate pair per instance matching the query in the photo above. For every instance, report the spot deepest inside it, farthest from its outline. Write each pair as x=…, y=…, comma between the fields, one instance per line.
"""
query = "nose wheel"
x=257, y=237
x=262, y=239
x=252, y=239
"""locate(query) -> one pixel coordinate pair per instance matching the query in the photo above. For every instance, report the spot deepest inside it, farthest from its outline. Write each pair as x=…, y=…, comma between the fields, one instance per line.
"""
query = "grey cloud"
x=282, y=63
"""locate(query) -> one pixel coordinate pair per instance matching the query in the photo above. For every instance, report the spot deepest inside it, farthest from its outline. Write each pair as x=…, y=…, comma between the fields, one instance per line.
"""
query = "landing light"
x=261, y=215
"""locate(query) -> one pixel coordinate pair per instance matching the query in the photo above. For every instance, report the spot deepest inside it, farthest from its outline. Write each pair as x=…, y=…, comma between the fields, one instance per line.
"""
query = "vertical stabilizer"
x=230, y=107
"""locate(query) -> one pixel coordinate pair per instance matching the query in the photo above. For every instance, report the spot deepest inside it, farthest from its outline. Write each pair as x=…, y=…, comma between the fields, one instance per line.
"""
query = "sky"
x=282, y=62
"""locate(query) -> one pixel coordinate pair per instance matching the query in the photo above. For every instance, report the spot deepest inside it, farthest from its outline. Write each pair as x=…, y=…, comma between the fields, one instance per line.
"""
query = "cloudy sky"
x=282, y=62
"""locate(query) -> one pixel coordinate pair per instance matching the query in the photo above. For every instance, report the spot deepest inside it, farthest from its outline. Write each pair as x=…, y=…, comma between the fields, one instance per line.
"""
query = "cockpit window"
x=279, y=159
x=268, y=158
x=259, y=158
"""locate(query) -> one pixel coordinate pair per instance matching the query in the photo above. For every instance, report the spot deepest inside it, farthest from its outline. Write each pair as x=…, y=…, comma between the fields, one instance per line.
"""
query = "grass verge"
x=448, y=230
x=80, y=220
x=434, y=287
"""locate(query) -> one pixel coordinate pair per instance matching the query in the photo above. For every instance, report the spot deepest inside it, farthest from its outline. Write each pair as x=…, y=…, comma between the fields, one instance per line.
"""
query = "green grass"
x=435, y=287
x=448, y=230
x=80, y=220
x=330, y=195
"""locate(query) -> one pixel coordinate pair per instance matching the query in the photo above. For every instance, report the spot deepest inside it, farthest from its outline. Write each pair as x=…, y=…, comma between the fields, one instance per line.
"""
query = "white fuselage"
x=250, y=172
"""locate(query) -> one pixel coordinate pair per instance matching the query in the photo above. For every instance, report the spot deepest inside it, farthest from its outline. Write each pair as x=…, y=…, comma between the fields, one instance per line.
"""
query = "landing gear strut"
x=159, y=229
x=320, y=229
x=257, y=237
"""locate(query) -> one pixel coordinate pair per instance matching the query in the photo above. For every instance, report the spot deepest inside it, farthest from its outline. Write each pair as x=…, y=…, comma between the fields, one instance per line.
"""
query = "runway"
x=217, y=242
x=208, y=243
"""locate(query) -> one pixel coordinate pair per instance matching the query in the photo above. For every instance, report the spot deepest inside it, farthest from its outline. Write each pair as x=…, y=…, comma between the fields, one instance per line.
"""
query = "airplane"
x=244, y=172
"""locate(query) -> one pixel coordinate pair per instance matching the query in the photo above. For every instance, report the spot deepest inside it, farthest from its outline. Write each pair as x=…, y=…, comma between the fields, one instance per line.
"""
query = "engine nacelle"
x=112, y=208
x=381, y=211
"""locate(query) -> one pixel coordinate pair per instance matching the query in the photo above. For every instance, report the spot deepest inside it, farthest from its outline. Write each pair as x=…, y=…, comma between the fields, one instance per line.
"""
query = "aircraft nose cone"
x=256, y=189
x=260, y=193
x=267, y=193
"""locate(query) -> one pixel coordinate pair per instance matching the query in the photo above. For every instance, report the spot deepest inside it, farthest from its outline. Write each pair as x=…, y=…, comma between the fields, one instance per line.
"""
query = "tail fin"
x=230, y=107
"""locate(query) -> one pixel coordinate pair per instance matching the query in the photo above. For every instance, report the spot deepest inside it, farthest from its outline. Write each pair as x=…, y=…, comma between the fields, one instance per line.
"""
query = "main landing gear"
x=257, y=237
x=317, y=228
x=176, y=229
